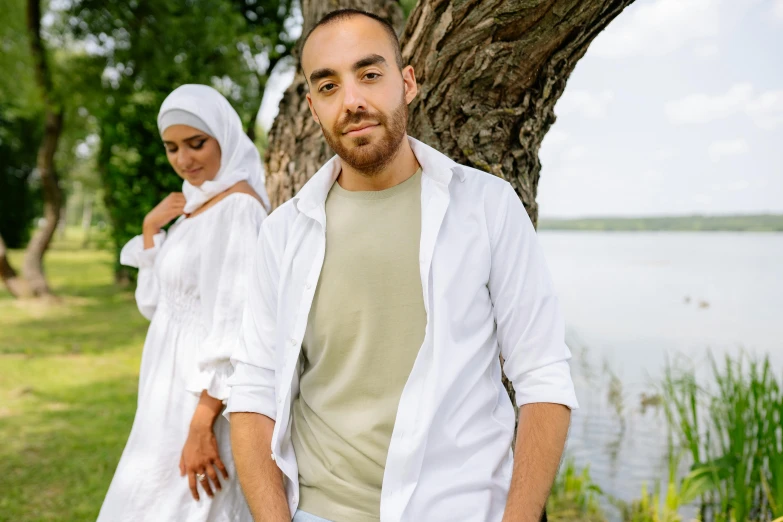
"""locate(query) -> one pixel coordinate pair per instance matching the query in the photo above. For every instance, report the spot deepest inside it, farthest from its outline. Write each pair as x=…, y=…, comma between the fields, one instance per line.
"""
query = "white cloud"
x=275, y=88
x=658, y=28
x=576, y=152
x=727, y=148
x=767, y=109
x=554, y=138
x=777, y=9
x=587, y=104
x=704, y=108
x=666, y=153
x=707, y=50
x=764, y=109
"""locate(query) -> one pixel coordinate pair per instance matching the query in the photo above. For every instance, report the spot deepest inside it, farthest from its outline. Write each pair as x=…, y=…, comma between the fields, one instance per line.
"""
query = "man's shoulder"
x=482, y=185
x=279, y=220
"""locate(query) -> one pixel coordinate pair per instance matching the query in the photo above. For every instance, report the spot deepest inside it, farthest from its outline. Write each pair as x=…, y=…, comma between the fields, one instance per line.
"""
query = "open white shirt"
x=487, y=292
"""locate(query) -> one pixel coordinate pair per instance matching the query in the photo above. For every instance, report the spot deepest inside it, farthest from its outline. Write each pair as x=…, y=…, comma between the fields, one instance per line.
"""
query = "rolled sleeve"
x=252, y=385
x=530, y=325
x=252, y=390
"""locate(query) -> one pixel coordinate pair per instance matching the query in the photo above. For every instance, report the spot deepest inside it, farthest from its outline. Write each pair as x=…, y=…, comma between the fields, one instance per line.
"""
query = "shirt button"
x=309, y=285
x=273, y=456
x=292, y=341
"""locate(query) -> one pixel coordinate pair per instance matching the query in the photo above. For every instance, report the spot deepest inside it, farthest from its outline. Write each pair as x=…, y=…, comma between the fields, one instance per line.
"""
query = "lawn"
x=68, y=377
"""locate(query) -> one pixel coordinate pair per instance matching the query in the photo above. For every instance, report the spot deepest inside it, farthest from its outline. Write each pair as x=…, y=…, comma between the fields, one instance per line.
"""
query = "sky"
x=677, y=108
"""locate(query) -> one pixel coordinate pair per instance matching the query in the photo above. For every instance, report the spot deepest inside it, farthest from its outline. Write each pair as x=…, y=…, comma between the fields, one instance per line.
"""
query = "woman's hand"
x=171, y=207
x=200, y=457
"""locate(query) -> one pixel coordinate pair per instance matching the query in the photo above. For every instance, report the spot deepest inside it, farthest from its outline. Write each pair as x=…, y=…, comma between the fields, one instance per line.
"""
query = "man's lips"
x=357, y=130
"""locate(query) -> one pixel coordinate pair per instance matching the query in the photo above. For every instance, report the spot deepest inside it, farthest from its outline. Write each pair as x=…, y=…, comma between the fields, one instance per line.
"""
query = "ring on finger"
x=201, y=477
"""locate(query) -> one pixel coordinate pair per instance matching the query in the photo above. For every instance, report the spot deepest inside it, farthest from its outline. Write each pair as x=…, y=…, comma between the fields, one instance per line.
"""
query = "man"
x=368, y=384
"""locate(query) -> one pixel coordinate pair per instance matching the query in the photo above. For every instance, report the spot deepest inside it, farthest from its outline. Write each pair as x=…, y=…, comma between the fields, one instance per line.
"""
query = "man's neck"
x=403, y=166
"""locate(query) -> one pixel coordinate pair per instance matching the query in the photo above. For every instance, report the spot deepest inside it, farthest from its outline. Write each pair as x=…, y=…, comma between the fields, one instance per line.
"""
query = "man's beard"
x=366, y=157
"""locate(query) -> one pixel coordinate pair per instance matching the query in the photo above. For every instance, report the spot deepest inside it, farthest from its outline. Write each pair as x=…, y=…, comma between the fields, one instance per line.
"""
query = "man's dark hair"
x=345, y=14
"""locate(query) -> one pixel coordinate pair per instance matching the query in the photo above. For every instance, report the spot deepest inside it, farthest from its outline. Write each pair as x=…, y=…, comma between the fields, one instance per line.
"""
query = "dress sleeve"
x=223, y=280
x=134, y=254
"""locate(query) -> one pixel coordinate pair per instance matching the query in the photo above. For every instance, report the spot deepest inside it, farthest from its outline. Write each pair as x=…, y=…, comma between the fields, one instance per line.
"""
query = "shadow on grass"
x=62, y=454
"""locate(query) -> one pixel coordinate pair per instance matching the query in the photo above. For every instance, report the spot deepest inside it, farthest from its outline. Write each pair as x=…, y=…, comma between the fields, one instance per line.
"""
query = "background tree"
x=231, y=45
x=32, y=269
x=266, y=43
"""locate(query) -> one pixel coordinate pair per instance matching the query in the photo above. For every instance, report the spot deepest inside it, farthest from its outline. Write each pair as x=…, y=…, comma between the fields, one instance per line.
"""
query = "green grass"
x=68, y=377
x=574, y=496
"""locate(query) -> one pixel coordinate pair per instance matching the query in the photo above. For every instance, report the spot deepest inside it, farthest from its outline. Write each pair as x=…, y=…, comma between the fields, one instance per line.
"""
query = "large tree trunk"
x=32, y=268
x=490, y=73
x=296, y=147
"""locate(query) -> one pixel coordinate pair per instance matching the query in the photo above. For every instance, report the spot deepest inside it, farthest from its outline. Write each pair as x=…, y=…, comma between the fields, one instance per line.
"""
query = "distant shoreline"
x=740, y=223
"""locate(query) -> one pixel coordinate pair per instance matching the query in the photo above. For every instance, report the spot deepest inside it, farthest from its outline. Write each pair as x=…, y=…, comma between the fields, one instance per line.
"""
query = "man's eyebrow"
x=373, y=59
x=320, y=74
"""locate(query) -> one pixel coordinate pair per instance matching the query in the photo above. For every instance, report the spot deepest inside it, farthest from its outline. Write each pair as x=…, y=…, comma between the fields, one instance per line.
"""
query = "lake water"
x=632, y=300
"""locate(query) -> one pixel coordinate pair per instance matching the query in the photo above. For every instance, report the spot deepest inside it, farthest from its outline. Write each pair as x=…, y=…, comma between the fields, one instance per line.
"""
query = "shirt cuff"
x=551, y=383
x=252, y=390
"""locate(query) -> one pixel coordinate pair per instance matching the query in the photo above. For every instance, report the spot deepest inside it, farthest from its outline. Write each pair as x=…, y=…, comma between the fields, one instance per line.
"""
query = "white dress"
x=192, y=286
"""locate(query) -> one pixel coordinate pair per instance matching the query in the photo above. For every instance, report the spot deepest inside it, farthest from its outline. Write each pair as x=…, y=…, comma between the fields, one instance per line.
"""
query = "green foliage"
x=734, y=434
x=407, y=6
x=20, y=128
x=574, y=496
x=143, y=50
x=19, y=200
x=650, y=507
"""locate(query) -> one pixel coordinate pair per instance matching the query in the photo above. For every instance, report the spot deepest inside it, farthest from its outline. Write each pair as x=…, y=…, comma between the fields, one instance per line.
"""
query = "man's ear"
x=312, y=111
x=410, y=85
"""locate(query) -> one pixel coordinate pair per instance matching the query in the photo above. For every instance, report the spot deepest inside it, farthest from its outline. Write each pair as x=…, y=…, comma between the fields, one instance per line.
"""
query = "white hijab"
x=239, y=158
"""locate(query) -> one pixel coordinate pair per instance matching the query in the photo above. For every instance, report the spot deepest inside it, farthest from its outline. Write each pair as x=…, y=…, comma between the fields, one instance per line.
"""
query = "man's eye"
x=328, y=87
x=372, y=76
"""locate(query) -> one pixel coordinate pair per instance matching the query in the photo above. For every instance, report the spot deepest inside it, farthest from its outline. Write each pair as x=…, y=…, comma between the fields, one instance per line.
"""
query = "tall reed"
x=733, y=430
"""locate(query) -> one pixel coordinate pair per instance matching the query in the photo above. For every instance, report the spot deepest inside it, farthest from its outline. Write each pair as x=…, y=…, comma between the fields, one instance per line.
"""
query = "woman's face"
x=195, y=155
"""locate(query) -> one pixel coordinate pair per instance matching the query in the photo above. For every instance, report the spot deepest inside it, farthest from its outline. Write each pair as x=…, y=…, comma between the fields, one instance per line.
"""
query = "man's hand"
x=541, y=436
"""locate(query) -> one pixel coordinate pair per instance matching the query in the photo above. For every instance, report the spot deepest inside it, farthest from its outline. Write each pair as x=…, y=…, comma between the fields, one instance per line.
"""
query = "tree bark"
x=296, y=147
x=490, y=73
x=16, y=286
x=86, y=219
x=32, y=268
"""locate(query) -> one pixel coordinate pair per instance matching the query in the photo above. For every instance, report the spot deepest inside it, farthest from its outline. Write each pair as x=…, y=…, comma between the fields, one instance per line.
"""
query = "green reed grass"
x=733, y=431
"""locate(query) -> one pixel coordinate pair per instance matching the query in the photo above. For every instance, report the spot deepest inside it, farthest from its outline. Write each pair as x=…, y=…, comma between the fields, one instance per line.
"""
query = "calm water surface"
x=631, y=301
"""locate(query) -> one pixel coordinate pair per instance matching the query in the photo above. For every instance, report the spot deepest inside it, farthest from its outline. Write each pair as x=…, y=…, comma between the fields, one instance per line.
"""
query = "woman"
x=191, y=285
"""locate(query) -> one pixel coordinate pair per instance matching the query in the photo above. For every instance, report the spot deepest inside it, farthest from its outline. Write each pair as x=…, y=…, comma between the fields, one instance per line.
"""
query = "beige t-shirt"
x=365, y=328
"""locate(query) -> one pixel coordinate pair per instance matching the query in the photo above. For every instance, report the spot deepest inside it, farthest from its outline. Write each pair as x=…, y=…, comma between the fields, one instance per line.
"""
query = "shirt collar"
x=434, y=165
